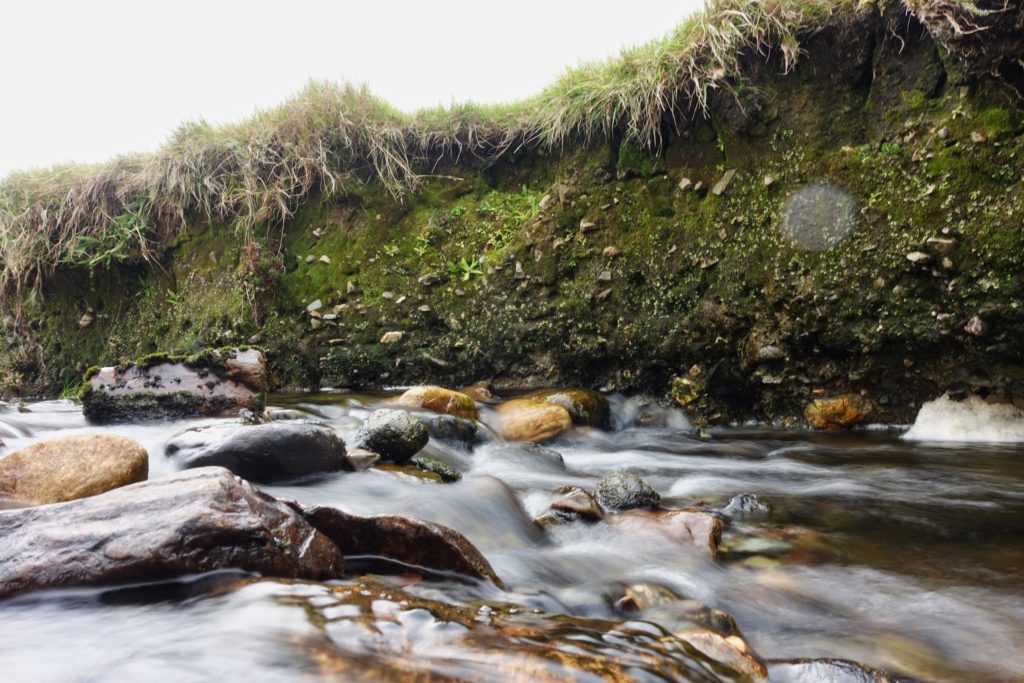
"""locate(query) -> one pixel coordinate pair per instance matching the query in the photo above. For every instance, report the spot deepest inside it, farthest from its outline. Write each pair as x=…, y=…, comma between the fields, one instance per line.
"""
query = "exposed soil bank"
x=897, y=148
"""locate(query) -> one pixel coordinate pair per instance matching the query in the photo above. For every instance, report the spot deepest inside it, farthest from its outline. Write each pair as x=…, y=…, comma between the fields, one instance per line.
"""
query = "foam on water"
x=971, y=420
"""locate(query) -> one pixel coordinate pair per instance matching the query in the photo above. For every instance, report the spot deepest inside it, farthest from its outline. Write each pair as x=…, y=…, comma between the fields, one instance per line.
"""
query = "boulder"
x=215, y=382
x=527, y=419
x=439, y=400
x=585, y=406
x=402, y=540
x=622, y=490
x=196, y=521
x=700, y=530
x=262, y=453
x=838, y=412
x=453, y=430
x=396, y=434
x=72, y=467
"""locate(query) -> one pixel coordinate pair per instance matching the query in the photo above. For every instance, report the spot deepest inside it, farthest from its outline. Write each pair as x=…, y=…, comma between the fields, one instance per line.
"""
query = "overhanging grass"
x=329, y=136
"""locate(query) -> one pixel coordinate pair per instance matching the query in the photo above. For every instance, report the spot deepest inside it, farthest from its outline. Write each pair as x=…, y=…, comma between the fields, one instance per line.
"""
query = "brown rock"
x=533, y=420
x=838, y=412
x=72, y=467
x=585, y=406
x=196, y=521
x=579, y=502
x=480, y=391
x=731, y=651
x=439, y=400
x=403, y=540
x=687, y=527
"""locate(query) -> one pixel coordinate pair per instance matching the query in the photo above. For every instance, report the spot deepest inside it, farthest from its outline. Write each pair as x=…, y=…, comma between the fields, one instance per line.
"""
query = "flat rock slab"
x=197, y=521
x=216, y=382
x=71, y=467
x=261, y=453
x=694, y=528
x=408, y=541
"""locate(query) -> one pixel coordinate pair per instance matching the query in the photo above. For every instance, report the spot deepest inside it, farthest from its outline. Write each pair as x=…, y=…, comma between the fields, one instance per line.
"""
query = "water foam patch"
x=969, y=420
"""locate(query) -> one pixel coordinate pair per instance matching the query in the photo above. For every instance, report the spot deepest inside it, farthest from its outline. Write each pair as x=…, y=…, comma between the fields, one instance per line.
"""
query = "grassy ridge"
x=328, y=136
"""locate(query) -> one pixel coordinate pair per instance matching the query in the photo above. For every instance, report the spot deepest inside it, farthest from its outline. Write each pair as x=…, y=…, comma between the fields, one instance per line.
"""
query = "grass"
x=329, y=136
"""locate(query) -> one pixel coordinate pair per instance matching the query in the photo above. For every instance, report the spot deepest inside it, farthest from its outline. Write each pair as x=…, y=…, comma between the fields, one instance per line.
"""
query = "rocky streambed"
x=423, y=535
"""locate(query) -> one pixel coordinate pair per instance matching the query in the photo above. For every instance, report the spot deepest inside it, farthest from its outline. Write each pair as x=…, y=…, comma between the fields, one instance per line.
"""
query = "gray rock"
x=396, y=434
x=746, y=505
x=452, y=429
x=622, y=490
x=263, y=453
x=816, y=670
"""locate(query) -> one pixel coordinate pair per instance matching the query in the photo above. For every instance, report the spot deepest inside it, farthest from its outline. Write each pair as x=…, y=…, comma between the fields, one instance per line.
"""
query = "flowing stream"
x=904, y=556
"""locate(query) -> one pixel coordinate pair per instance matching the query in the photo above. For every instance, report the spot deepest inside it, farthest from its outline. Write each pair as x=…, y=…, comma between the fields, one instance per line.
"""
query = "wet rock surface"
x=262, y=453
x=585, y=406
x=439, y=400
x=71, y=467
x=533, y=420
x=401, y=540
x=622, y=490
x=396, y=435
x=692, y=528
x=832, y=670
x=215, y=382
x=197, y=521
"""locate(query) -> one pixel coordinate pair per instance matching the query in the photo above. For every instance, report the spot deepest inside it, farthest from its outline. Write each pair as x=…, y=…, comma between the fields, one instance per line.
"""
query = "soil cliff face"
x=852, y=227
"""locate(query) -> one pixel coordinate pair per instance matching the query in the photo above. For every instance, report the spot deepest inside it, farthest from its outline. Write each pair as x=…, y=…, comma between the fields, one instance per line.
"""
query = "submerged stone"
x=263, y=453
x=72, y=467
x=213, y=383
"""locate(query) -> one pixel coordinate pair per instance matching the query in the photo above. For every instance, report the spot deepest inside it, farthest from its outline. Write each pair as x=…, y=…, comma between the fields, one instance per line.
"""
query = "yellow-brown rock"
x=527, y=419
x=585, y=406
x=439, y=400
x=480, y=391
x=72, y=467
x=838, y=412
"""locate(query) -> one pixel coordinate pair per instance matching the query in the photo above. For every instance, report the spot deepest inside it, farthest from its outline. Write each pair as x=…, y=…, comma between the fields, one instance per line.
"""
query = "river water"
x=904, y=556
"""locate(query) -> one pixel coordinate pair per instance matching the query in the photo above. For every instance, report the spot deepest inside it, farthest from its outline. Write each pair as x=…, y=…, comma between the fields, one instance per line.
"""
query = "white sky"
x=86, y=80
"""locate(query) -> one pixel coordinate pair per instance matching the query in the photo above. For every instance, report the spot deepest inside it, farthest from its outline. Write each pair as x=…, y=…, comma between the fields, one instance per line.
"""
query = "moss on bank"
x=609, y=266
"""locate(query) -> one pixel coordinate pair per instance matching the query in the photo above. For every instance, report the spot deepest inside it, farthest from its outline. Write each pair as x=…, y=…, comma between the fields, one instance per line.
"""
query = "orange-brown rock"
x=439, y=400
x=526, y=419
x=837, y=412
x=480, y=391
x=72, y=467
x=585, y=406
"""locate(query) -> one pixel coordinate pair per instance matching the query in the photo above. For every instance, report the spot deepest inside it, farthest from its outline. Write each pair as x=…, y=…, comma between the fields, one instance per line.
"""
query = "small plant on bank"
x=260, y=271
x=467, y=269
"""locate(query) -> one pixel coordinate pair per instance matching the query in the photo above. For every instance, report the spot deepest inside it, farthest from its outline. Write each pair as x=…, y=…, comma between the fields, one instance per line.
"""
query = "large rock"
x=403, y=540
x=527, y=419
x=622, y=490
x=585, y=406
x=196, y=521
x=396, y=434
x=71, y=467
x=439, y=400
x=453, y=430
x=263, y=453
x=215, y=382
x=693, y=528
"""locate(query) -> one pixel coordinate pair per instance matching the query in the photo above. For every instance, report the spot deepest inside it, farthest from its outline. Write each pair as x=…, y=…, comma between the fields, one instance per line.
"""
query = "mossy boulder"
x=622, y=490
x=439, y=400
x=837, y=412
x=585, y=406
x=71, y=467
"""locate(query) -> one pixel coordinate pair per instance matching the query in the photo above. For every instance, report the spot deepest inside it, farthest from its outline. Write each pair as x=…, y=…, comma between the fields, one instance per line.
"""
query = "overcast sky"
x=89, y=79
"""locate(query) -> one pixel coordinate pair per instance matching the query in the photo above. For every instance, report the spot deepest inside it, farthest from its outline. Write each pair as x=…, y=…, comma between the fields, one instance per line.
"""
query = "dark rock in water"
x=528, y=456
x=622, y=490
x=452, y=429
x=585, y=406
x=396, y=434
x=72, y=467
x=193, y=522
x=403, y=540
x=263, y=453
x=831, y=670
x=215, y=382
x=746, y=505
x=446, y=472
